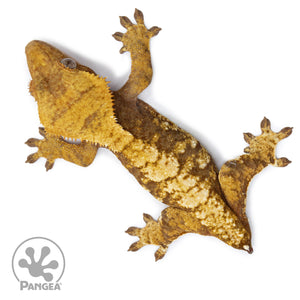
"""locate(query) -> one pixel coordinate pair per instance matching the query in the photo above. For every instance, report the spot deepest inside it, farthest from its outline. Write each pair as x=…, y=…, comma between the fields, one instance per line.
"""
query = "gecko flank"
x=75, y=104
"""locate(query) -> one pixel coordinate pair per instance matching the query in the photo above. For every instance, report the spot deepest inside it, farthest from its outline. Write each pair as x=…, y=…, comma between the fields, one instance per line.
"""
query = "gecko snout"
x=41, y=57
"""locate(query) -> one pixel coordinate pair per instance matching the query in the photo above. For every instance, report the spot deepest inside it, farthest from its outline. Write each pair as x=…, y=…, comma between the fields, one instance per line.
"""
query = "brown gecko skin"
x=75, y=103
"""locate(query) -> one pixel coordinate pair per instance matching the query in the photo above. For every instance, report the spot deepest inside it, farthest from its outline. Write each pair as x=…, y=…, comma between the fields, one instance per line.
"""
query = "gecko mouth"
x=71, y=141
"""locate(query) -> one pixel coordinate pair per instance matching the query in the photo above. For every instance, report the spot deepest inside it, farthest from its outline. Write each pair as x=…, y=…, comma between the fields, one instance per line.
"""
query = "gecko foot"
x=33, y=142
x=150, y=234
x=264, y=145
x=137, y=35
x=52, y=147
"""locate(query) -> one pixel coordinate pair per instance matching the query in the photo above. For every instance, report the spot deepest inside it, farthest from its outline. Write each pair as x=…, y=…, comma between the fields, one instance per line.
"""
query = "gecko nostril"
x=69, y=63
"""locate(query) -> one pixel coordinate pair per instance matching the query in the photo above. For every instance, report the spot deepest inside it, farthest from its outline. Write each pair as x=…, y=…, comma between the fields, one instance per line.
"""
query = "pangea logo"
x=38, y=264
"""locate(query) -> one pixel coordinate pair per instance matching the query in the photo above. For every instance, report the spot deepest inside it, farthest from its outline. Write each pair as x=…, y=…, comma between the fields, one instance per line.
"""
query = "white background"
x=219, y=68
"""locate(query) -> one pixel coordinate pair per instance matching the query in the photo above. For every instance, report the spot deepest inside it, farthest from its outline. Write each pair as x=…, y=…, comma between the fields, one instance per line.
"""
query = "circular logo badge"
x=38, y=260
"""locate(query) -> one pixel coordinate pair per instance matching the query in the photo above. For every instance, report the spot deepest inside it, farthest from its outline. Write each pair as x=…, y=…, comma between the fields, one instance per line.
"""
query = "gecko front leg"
x=52, y=147
x=136, y=41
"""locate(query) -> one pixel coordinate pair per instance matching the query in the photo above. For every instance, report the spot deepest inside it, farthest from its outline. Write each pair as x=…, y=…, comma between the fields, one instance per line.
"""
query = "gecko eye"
x=69, y=63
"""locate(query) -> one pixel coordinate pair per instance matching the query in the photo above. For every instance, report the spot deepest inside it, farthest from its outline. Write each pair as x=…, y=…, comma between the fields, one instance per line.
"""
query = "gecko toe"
x=136, y=246
x=138, y=16
x=154, y=30
x=32, y=158
x=125, y=22
x=42, y=131
x=134, y=231
x=282, y=162
x=49, y=165
x=118, y=36
x=32, y=142
x=160, y=252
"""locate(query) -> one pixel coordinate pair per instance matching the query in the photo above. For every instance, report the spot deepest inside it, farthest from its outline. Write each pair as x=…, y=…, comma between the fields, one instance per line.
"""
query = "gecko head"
x=71, y=98
x=42, y=59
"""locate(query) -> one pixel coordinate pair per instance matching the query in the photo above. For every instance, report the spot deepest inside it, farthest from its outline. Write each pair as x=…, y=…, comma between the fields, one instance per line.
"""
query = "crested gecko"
x=76, y=104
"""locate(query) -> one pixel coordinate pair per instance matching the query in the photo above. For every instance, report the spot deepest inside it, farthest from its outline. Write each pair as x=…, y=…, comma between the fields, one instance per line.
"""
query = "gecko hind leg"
x=172, y=223
x=235, y=175
x=52, y=147
x=150, y=234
